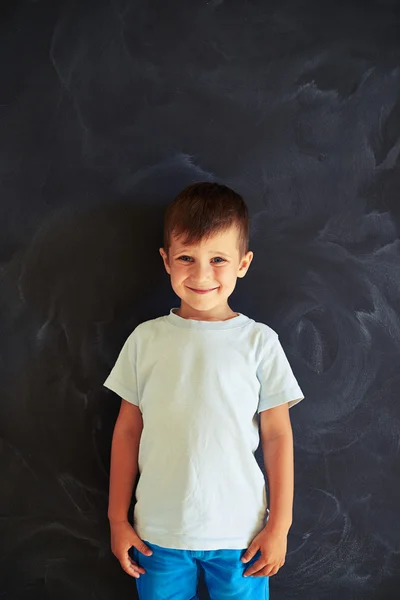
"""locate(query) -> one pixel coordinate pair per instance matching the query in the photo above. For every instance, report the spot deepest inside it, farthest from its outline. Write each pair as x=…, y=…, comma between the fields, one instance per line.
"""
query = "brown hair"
x=203, y=209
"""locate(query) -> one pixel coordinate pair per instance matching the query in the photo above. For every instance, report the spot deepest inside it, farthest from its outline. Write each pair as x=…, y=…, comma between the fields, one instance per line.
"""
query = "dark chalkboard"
x=108, y=109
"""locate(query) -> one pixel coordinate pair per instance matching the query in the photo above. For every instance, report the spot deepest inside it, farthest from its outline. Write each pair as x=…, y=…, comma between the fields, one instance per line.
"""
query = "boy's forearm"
x=279, y=467
x=123, y=472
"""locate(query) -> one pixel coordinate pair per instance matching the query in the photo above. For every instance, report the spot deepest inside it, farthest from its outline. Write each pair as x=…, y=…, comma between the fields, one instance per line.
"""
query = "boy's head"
x=206, y=236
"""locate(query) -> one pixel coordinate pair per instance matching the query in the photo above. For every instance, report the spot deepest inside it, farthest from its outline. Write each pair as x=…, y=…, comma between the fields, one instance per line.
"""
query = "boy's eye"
x=223, y=260
x=182, y=258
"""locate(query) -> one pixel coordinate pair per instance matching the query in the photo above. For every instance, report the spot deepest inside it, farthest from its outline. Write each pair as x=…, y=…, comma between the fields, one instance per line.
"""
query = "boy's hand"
x=123, y=537
x=273, y=546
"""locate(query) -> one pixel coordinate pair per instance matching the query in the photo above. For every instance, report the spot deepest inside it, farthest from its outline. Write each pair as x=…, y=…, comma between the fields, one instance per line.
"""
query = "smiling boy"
x=195, y=385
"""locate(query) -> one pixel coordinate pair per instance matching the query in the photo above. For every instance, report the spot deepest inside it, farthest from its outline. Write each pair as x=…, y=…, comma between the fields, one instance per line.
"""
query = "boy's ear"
x=245, y=264
x=164, y=256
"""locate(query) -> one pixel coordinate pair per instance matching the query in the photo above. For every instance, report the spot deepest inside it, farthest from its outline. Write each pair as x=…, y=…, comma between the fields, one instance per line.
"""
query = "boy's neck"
x=222, y=313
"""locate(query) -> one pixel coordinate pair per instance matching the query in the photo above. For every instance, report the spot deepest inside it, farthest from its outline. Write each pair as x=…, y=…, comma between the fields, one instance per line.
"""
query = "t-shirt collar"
x=232, y=323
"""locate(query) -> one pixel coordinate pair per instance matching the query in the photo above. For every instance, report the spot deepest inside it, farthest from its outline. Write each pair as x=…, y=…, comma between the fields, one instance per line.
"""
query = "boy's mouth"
x=202, y=291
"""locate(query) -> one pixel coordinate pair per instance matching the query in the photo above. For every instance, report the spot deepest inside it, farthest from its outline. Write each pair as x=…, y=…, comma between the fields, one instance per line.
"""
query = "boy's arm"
x=124, y=460
x=277, y=445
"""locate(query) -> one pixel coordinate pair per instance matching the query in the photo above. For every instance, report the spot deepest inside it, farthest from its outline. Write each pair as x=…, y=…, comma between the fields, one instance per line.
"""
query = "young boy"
x=195, y=385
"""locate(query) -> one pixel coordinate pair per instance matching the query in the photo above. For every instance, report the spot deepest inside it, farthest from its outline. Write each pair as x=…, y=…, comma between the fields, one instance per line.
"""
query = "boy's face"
x=213, y=265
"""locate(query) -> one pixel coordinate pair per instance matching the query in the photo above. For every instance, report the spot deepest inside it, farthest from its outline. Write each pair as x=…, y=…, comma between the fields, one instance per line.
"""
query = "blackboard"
x=108, y=109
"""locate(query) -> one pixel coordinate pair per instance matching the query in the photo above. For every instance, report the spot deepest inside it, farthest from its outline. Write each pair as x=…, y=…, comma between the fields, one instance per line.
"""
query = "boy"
x=195, y=384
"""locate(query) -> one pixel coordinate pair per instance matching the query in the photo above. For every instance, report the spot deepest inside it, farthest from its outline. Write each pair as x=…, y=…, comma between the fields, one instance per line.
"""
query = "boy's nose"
x=202, y=273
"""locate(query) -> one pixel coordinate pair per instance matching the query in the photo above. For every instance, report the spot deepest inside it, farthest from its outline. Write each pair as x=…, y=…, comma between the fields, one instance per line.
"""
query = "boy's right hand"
x=123, y=537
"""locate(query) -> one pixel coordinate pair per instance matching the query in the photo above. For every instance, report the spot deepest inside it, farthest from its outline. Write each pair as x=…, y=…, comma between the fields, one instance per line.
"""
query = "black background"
x=107, y=110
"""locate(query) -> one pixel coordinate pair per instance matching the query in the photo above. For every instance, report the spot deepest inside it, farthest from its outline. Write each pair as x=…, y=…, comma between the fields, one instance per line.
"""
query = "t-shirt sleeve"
x=122, y=379
x=277, y=381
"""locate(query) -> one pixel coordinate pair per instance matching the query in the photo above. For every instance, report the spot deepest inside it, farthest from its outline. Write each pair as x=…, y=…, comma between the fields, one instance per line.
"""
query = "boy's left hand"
x=273, y=546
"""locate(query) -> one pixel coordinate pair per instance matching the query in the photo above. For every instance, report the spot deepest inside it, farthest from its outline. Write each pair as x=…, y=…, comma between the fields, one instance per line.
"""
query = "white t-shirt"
x=199, y=386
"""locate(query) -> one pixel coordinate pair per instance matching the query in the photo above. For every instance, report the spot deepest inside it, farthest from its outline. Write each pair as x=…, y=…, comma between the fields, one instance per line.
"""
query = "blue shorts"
x=173, y=574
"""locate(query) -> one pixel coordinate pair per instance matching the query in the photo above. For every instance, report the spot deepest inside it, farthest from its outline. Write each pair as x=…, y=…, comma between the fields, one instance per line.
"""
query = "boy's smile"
x=204, y=275
x=203, y=291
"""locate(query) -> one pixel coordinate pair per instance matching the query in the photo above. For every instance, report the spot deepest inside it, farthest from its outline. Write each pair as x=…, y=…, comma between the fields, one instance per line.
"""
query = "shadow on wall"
x=84, y=282
x=87, y=271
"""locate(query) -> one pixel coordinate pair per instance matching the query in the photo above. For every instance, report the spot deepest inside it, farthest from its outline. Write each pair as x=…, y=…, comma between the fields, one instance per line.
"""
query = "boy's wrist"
x=278, y=527
x=114, y=519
